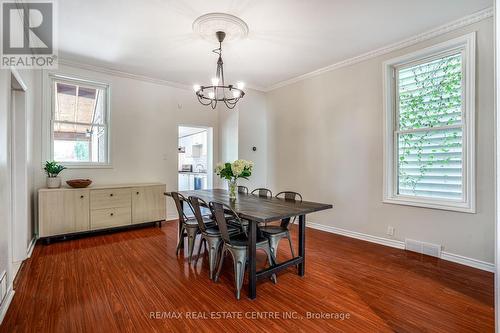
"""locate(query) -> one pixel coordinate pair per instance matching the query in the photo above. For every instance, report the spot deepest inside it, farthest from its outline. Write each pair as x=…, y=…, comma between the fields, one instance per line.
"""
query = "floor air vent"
x=424, y=248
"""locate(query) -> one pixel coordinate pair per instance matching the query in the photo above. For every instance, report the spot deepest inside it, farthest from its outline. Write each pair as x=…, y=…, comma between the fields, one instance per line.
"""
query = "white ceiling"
x=287, y=38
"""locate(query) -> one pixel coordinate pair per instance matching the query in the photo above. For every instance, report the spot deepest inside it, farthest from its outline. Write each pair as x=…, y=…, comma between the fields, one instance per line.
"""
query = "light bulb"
x=215, y=81
x=236, y=93
x=240, y=85
x=211, y=95
x=196, y=87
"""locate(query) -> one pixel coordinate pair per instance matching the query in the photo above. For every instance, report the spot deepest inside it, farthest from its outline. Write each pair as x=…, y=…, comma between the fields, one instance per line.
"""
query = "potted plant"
x=53, y=169
x=232, y=171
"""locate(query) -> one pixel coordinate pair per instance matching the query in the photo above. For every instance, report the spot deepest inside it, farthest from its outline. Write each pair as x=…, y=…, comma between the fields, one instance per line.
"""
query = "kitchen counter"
x=193, y=172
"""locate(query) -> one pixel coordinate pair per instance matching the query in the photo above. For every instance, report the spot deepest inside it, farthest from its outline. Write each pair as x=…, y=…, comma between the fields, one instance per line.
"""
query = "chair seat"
x=273, y=230
x=241, y=240
x=234, y=222
x=192, y=221
x=214, y=230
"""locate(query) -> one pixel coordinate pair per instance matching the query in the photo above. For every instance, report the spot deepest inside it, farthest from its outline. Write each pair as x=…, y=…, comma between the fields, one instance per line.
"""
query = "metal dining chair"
x=242, y=189
x=210, y=235
x=237, y=246
x=189, y=225
x=262, y=192
x=277, y=232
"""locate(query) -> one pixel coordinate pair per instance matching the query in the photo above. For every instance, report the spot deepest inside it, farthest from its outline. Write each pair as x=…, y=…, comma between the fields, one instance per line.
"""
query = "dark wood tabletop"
x=254, y=208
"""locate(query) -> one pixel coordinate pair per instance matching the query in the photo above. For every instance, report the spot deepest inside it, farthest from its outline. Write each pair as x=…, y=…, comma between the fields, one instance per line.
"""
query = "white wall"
x=240, y=129
x=144, y=121
x=326, y=138
x=252, y=132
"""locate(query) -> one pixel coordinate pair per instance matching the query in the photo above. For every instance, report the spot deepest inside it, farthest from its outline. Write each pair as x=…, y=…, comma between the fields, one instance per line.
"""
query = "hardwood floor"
x=113, y=283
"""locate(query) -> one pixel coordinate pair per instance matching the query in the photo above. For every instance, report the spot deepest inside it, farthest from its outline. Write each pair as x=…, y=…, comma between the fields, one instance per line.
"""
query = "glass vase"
x=231, y=184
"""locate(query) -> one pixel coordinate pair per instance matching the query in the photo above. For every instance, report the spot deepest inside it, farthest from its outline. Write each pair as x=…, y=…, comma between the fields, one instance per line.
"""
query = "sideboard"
x=66, y=211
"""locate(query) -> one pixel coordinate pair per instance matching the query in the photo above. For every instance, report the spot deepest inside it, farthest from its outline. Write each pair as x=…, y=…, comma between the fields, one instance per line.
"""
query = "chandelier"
x=219, y=91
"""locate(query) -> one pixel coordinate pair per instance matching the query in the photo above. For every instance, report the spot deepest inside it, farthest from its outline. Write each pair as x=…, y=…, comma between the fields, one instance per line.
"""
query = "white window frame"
x=48, y=115
x=467, y=45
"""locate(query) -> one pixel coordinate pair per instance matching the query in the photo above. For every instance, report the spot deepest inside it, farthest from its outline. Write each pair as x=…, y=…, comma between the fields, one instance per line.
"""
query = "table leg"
x=302, y=244
x=252, y=269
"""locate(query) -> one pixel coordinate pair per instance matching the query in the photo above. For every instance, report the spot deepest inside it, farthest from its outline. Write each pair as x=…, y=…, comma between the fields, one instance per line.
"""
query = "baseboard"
x=358, y=235
x=485, y=266
x=171, y=217
x=6, y=303
x=31, y=248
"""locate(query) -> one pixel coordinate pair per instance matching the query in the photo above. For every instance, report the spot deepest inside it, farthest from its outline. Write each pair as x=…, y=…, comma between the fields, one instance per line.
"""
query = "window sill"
x=86, y=166
x=442, y=205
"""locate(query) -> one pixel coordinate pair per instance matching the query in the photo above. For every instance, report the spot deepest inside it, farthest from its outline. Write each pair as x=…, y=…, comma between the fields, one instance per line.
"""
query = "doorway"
x=195, y=158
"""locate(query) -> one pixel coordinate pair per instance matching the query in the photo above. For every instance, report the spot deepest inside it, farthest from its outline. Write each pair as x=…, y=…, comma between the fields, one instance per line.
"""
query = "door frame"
x=210, y=152
x=18, y=167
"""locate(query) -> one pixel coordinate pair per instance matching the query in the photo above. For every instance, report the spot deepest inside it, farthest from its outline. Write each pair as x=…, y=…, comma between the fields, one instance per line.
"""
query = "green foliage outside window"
x=430, y=97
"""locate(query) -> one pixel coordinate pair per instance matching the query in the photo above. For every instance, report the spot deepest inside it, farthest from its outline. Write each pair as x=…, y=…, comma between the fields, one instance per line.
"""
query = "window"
x=79, y=122
x=429, y=137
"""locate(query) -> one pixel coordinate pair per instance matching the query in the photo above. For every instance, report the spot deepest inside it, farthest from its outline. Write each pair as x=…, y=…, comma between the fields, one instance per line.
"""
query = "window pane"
x=79, y=104
x=430, y=164
x=79, y=143
x=430, y=94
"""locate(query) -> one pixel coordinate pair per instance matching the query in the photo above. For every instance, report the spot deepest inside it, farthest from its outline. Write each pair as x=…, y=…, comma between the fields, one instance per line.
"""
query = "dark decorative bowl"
x=79, y=183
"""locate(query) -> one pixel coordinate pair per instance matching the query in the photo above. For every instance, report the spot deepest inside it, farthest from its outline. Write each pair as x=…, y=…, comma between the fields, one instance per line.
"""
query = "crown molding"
x=441, y=30
x=114, y=72
x=144, y=78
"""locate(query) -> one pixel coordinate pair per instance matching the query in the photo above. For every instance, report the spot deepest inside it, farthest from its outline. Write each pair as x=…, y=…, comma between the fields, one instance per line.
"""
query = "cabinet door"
x=63, y=212
x=148, y=204
x=183, y=182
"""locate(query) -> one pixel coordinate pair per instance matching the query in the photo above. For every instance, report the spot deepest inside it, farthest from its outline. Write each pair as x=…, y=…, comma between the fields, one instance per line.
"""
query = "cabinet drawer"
x=111, y=217
x=110, y=198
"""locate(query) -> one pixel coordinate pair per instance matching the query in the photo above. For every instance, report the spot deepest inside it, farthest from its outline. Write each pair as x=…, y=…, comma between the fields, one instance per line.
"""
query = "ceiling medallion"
x=207, y=25
x=218, y=91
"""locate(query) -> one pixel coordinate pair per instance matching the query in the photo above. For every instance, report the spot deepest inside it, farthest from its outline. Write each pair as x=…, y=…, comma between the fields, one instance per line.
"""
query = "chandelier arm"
x=230, y=106
x=200, y=99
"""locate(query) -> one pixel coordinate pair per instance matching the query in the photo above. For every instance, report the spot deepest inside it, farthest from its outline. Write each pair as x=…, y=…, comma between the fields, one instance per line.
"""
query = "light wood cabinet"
x=66, y=210
x=148, y=204
x=63, y=212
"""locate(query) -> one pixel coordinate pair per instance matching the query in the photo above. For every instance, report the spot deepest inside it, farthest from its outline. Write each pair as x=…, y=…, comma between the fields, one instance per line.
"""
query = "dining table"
x=257, y=210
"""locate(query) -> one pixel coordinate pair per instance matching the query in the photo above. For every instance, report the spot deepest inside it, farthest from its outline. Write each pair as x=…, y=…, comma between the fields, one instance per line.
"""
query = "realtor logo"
x=28, y=34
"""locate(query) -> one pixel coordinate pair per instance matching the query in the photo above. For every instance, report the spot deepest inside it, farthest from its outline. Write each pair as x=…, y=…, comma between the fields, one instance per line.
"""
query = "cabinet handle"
x=111, y=214
x=81, y=196
x=137, y=193
x=111, y=195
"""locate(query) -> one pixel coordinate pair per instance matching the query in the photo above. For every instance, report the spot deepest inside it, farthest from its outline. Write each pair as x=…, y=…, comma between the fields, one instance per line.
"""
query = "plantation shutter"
x=429, y=128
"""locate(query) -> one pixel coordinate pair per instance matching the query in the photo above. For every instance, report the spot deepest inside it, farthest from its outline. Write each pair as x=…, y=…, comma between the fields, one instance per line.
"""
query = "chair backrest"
x=263, y=192
x=242, y=189
x=218, y=211
x=177, y=199
x=196, y=205
x=290, y=196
